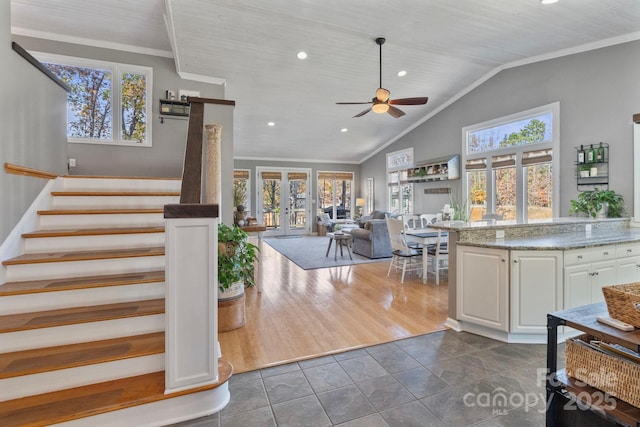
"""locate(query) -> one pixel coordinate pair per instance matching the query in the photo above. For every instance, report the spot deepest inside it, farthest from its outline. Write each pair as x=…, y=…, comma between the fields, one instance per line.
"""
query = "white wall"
x=32, y=114
x=598, y=93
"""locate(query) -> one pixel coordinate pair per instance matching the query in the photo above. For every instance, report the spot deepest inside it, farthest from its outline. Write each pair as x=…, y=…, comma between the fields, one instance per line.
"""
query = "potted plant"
x=598, y=203
x=236, y=257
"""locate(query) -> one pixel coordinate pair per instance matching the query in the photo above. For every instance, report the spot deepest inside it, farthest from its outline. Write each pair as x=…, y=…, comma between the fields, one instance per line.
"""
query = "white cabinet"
x=536, y=289
x=628, y=269
x=482, y=285
x=586, y=272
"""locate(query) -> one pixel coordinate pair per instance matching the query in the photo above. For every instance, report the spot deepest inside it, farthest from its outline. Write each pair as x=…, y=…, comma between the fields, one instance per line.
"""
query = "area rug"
x=308, y=252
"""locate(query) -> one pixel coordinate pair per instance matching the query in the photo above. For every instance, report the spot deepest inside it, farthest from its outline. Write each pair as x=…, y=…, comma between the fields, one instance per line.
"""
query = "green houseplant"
x=236, y=258
x=594, y=203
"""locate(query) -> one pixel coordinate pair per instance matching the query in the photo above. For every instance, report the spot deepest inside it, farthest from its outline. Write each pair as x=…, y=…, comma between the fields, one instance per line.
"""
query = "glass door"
x=283, y=200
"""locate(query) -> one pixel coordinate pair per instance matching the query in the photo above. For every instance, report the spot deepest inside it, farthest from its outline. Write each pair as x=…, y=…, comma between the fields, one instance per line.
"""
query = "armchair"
x=372, y=238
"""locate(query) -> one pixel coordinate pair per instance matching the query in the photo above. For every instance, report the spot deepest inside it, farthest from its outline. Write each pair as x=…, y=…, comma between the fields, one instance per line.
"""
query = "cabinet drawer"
x=627, y=249
x=585, y=256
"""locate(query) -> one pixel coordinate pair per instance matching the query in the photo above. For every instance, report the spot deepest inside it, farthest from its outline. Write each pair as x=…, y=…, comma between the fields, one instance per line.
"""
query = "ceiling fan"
x=381, y=102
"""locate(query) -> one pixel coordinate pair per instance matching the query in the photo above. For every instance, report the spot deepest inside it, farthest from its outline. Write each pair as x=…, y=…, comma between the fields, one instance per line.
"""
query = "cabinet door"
x=628, y=270
x=577, y=285
x=536, y=289
x=602, y=274
x=482, y=286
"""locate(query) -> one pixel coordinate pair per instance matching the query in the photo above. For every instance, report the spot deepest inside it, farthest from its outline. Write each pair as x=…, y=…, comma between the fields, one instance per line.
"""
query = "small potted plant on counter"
x=598, y=204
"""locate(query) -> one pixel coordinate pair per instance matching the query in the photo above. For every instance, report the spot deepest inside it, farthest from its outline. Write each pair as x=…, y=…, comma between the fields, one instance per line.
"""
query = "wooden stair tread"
x=115, y=193
x=52, y=285
x=69, y=316
x=84, y=255
x=57, y=407
x=92, y=232
x=98, y=211
x=29, y=362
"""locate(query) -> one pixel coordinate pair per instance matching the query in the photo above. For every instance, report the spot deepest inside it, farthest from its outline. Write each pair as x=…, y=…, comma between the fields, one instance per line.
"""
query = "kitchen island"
x=504, y=277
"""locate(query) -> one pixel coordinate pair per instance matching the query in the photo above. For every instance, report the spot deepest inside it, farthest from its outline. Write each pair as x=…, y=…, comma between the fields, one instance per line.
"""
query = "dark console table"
x=570, y=402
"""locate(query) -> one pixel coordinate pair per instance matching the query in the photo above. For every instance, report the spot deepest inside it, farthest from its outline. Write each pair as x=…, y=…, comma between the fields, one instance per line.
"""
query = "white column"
x=191, y=341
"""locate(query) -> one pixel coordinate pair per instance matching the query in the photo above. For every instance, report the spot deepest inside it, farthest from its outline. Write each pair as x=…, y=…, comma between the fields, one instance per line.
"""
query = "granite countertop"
x=561, y=241
x=484, y=225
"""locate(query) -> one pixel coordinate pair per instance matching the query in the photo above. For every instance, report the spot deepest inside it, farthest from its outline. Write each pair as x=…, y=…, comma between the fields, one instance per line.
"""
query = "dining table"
x=425, y=237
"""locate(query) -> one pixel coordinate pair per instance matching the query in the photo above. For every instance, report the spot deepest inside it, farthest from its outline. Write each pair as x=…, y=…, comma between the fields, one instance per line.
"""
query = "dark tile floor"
x=441, y=379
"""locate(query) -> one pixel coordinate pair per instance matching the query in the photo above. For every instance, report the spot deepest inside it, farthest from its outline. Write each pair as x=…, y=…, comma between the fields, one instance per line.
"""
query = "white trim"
x=19, y=31
x=636, y=174
x=202, y=78
x=551, y=55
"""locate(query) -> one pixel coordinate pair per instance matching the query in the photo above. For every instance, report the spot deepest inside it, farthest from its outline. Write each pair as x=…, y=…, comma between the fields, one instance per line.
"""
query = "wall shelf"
x=440, y=169
x=590, y=175
x=172, y=107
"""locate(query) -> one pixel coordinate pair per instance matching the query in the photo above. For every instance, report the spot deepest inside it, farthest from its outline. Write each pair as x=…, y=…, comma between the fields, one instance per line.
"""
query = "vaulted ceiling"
x=446, y=47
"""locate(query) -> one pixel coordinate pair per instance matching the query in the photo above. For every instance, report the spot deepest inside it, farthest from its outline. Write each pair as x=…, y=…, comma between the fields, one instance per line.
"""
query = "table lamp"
x=359, y=205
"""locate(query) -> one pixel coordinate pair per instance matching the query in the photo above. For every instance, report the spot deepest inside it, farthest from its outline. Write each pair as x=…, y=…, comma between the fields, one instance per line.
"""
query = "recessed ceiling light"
x=271, y=124
x=344, y=130
x=302, y=55
x=548, y=1
x=402, y=73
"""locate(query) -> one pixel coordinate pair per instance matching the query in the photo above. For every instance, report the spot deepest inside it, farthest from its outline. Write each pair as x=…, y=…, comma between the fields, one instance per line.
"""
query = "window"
x=335, y=194
x=242, y=188
x=509, y=165
x=109, y=103
x=400, y=193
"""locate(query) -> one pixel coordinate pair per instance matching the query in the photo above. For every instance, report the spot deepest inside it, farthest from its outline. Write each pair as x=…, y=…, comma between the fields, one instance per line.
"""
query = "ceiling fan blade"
x=409, y=101
x=353, y=103
x=395, y=112
x=363, y=113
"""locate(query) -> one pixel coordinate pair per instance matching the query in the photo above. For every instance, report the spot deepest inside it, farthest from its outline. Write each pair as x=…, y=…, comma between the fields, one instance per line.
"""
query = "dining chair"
x=438, y=252
x=412, y=222
x=427, y=219
x=405, y=258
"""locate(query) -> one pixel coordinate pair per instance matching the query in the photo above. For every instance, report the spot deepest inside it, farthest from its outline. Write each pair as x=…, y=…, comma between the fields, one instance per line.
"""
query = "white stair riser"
x=107, y=184
x=27, y=385
x=58, y=270
x=81, y=332
x=112, y=202
x=28, y=303
x=93, y=242
x=162, y=412
x=84, y=221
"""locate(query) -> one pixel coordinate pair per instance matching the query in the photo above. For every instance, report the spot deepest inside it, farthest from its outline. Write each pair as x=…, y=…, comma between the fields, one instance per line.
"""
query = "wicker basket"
x=612, y=374
x=621, y=302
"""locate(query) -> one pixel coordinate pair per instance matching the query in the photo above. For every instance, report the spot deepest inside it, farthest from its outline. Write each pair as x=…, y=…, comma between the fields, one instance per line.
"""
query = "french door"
x=283, y=197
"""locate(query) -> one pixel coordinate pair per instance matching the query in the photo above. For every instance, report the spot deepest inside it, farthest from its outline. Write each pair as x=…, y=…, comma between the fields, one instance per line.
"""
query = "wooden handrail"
x=190, y=191
x=636, y=118
x=21, y=170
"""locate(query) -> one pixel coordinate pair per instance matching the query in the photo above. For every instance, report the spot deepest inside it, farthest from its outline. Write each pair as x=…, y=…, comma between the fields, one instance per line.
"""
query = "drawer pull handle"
x=595, y=273
x=629, y=251
x=579, y=256
x=606, y=253
x=638, y=265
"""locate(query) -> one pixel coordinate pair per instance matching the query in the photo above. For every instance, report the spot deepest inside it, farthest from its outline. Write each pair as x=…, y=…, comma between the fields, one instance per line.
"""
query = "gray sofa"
x=372, y=238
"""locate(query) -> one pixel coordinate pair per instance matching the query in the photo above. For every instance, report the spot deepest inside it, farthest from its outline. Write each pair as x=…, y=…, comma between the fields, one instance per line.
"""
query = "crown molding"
x=90, y=42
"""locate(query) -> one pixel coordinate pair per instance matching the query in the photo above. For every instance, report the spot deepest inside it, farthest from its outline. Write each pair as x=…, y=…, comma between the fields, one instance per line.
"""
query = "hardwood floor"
x=309, y=313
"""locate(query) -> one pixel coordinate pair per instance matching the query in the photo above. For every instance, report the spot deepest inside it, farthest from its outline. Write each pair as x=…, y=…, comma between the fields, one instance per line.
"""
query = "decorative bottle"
x=600, y=153
x=581, y=155
x=591, y=154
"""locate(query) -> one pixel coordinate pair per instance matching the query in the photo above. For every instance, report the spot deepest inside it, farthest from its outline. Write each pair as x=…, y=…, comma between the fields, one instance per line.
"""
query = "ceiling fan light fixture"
x=382, y=94
x=380, y=107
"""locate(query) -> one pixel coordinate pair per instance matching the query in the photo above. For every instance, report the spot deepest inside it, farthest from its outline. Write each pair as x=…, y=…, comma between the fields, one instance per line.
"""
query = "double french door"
x=283, y=197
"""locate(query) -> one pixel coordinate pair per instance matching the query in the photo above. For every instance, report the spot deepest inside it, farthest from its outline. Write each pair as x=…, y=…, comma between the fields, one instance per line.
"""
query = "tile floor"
x=440, y=379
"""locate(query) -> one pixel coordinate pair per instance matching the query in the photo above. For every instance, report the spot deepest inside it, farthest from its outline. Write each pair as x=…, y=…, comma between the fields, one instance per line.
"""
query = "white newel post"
x=191, y=277
x=213, y=170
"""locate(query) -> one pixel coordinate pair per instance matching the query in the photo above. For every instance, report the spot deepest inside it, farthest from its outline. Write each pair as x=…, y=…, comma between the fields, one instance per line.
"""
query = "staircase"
x=82, y=312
